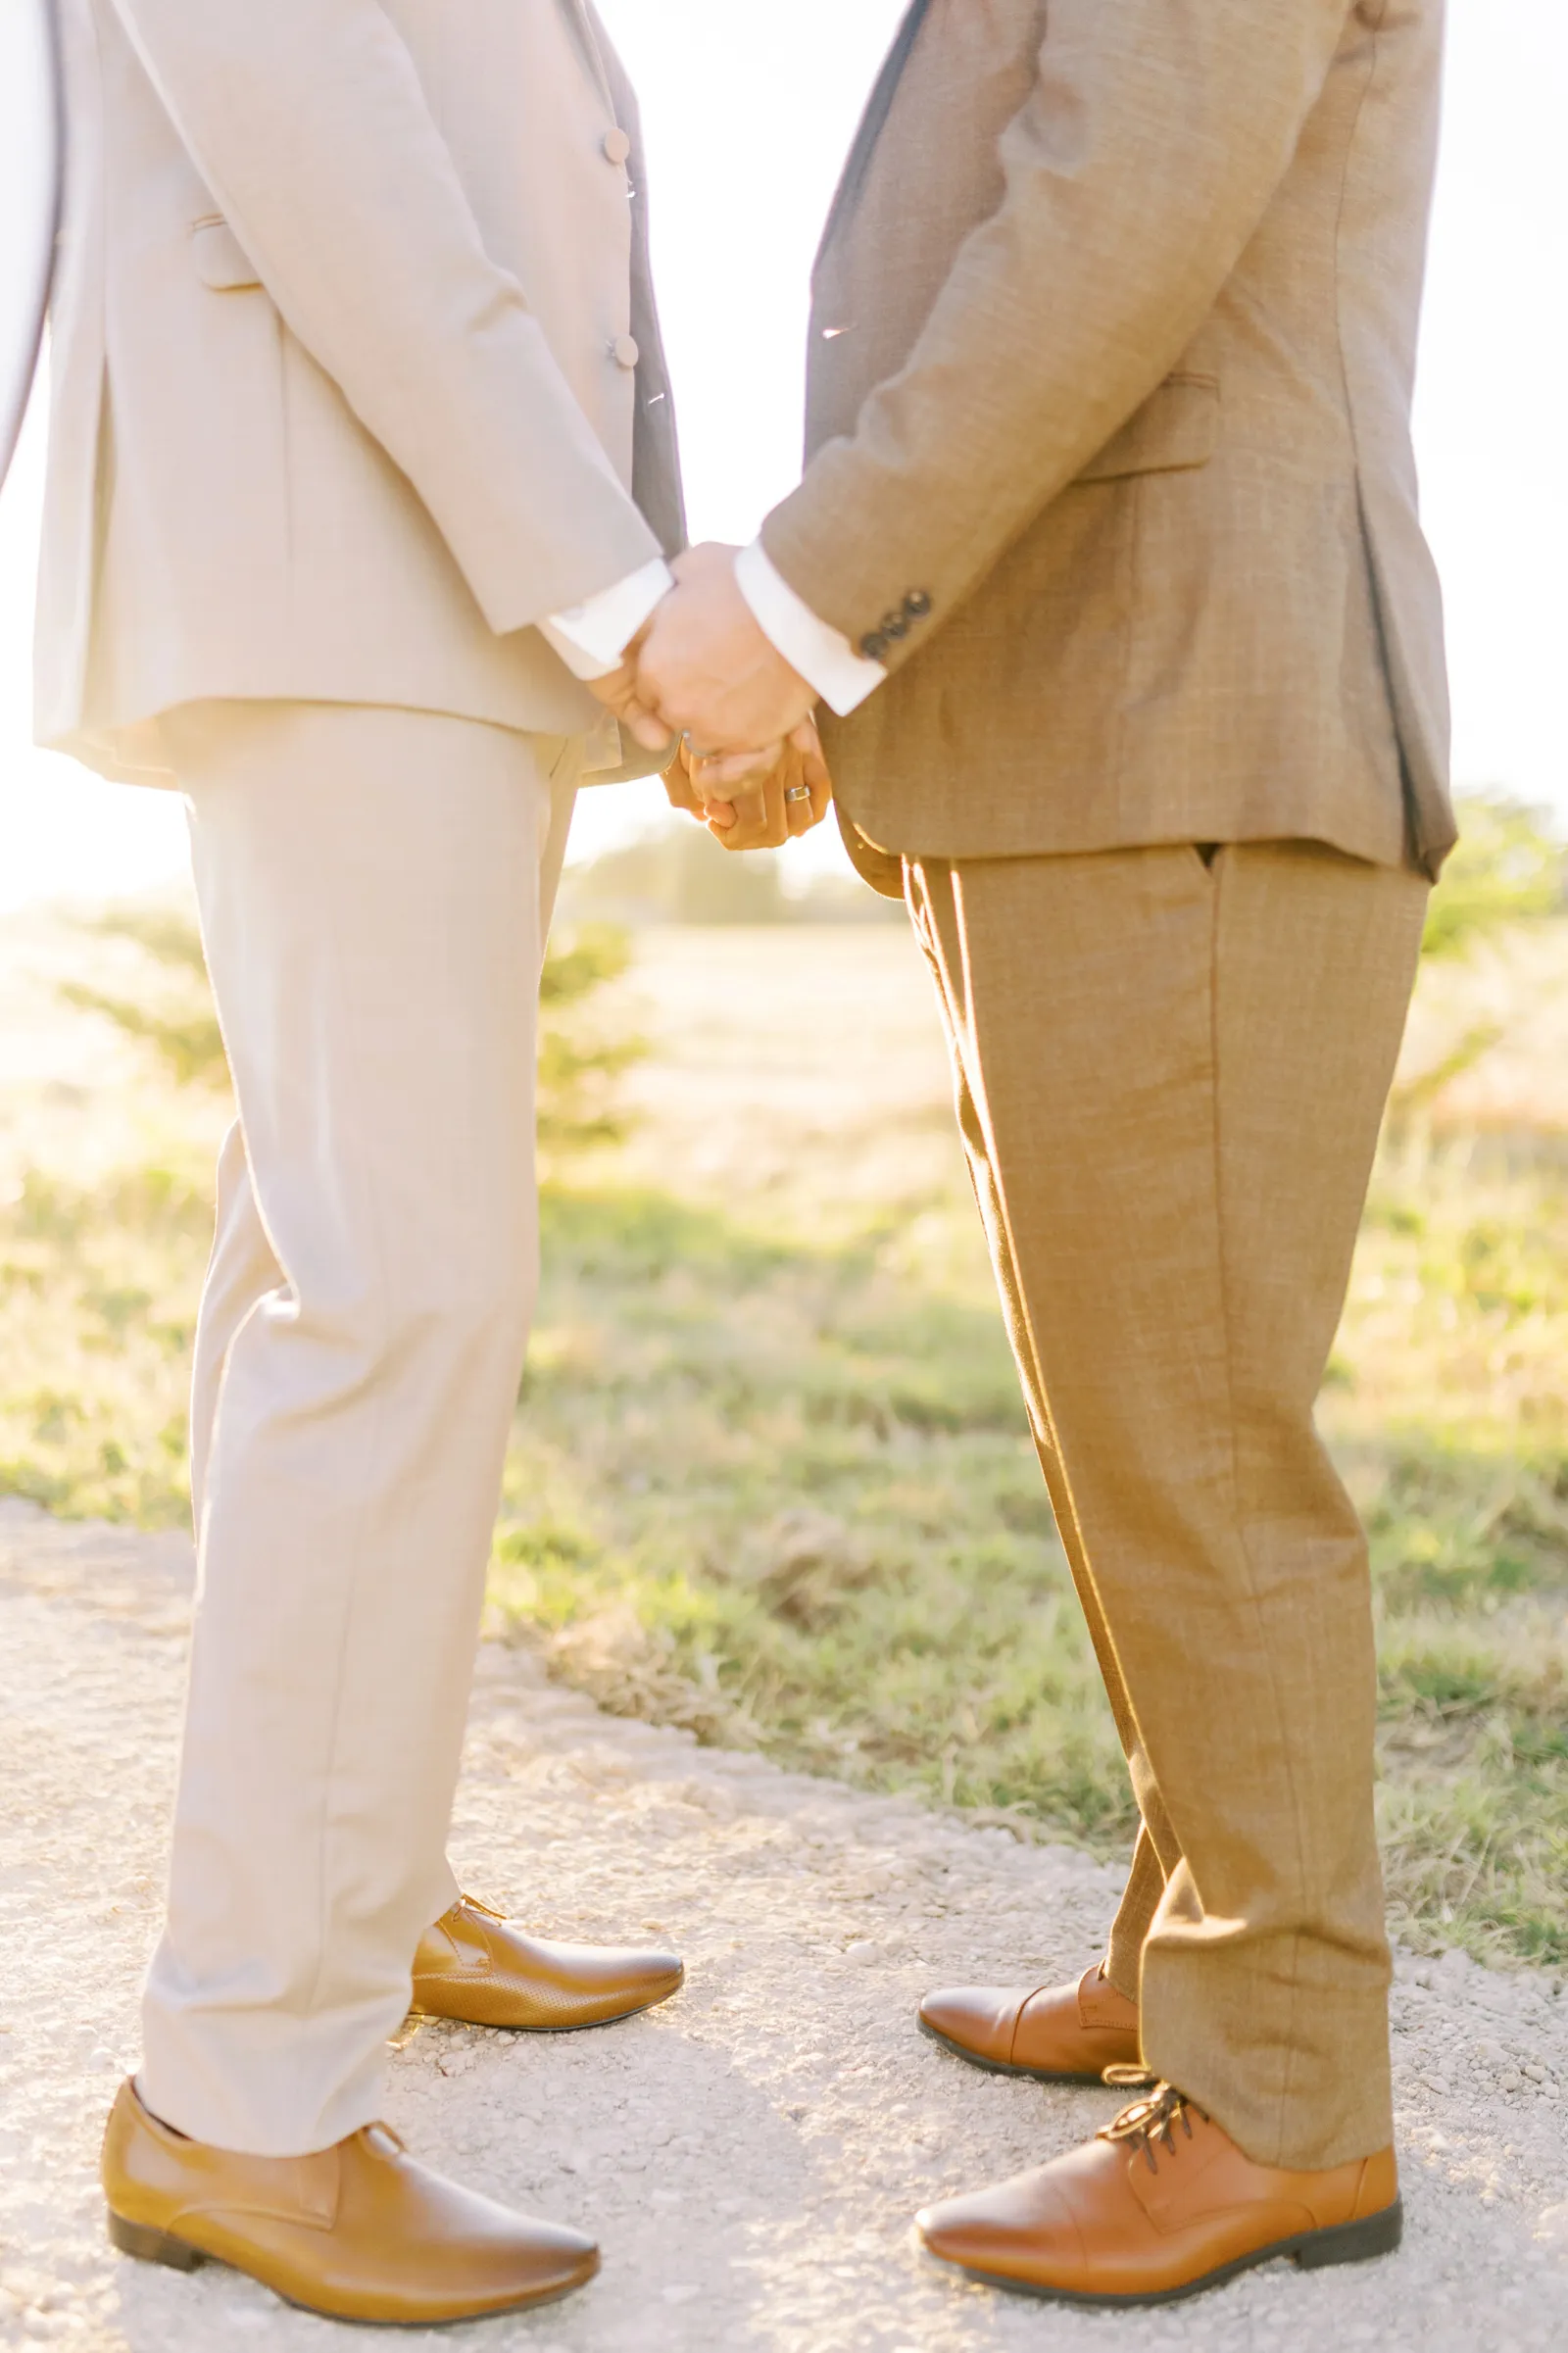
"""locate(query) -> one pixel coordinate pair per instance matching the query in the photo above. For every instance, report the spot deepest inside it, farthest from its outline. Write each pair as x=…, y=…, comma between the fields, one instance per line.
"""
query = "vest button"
x=618, y=147
x=624, y=351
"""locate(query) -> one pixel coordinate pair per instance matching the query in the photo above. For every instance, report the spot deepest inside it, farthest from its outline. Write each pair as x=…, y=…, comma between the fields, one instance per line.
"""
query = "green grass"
x=98, y=1293
x=762, y=1487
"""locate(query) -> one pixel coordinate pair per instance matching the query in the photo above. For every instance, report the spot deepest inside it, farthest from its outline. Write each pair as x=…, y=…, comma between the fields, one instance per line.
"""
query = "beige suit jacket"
x=356, y=367
x=1112, y=364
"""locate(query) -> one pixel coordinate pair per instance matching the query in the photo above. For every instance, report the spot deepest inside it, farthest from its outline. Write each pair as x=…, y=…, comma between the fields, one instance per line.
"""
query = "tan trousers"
x=1170, y=1075
x=374, y=887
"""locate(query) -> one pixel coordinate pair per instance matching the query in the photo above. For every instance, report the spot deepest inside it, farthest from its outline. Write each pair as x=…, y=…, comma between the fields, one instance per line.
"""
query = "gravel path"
x=751, y=2154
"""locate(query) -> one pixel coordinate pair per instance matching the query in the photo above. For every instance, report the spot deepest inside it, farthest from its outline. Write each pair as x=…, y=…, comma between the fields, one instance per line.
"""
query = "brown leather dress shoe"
x=1061, y=2034
x=474, y=1965
x=1160, y=2205
x=358, y=2232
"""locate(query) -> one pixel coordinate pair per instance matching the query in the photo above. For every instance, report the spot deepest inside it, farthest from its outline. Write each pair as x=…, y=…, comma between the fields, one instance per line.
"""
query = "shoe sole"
x=1359, y=2242
x=1002, y=2067
x=147, y=2245
x=578, y=2026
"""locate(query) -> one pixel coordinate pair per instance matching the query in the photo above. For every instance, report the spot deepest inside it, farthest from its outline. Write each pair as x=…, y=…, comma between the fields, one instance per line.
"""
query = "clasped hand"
x=750, y=764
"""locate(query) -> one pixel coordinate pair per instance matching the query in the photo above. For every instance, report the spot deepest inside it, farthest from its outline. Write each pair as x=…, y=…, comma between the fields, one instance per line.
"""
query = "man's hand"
x=785, y=792
x=724, y=778
x=705, y=668
x=621, y=693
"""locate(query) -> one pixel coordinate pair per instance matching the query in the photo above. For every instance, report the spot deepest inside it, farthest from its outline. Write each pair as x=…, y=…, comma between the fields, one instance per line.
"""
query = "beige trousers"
x=376, y=886
x=1170, y=1073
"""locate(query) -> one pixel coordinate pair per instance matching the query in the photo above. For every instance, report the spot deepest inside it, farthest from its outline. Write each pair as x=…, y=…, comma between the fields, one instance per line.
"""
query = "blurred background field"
x=770, y=1476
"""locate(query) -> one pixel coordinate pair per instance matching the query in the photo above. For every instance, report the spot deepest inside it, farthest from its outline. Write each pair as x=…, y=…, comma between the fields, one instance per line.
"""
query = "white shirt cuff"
x=591, y=638
x=823, y=655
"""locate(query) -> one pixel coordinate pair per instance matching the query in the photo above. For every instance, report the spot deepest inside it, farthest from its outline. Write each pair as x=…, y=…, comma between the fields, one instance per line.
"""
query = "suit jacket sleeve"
x=307, y=121
x=1145, y=158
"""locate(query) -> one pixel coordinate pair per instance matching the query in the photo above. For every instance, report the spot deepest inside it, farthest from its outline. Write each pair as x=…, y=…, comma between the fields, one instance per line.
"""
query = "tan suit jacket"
x=1112, y=351
x=356, y=367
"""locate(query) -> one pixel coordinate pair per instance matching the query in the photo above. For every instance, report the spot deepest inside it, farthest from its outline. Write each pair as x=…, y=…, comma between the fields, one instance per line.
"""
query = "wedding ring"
x=798, y=792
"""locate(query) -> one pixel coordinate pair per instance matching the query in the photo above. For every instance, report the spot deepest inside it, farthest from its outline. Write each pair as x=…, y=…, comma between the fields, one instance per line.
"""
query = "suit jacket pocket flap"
x=1176, y=426
x=221, y=262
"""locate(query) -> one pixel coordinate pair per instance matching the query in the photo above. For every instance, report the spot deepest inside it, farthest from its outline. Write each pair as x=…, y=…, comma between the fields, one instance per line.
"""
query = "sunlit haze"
x=749, y=111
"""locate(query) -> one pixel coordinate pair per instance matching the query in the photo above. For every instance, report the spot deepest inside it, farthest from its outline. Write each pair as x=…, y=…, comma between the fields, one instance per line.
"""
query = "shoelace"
x=471, y=1904
x=1154, y=2118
